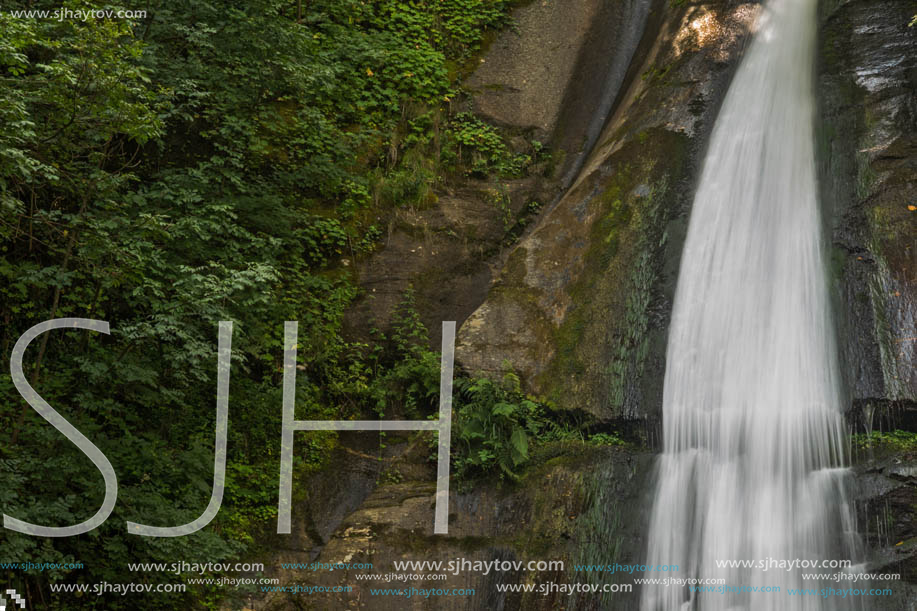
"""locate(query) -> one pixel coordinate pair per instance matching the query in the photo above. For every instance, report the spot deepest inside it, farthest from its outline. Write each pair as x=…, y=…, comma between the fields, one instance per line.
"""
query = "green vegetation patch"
x=896, y=441
x=208, y=162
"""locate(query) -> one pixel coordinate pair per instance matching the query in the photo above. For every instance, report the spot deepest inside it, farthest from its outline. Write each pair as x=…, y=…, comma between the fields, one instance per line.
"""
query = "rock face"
x=868, y=143
x=442, y=251
x=562, y=76
x=551, y=78
x=868, y=151
x=522, y=80
x=581, y=307
x=581, y=506
x=886, y=499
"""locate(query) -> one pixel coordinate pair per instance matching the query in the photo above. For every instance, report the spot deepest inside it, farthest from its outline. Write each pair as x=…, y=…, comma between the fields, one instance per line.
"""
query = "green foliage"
x=217, y=161
x=455, y=26
x=494, y=426
x=482, y=149
x=895, y=441
x=405, y=379
x=497, y=429
x=605, y=439
x=499, y=198
x=411, y=183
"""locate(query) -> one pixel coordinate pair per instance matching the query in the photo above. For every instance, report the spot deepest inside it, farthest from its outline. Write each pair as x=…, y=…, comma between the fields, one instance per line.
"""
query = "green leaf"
x=504, y=409
x=519, y=442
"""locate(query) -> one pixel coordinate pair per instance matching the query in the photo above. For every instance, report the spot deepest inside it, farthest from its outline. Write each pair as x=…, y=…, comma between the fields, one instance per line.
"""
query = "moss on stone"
x=894, y=442
x=603, y=343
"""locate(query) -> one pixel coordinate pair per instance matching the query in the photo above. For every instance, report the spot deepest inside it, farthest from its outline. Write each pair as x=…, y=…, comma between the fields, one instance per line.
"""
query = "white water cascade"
x=754, y=436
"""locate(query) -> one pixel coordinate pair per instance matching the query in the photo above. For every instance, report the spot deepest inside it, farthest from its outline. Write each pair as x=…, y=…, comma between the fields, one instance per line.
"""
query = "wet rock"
x=868, y=146
x=558, y=71
x=886, y=504
x=522, y=78
x=868, y=155
x=551, y=77
x=443, y=251
x=581, y=307
x=553, y=514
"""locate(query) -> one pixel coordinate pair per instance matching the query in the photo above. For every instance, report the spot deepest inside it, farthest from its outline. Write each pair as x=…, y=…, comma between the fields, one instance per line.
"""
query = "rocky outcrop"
x=443, y=251
x=886, y=498
x=551, y=78
x=868, y=146
x=868, y=153
x=581, y=307
x=558, y=71
x=581, y=505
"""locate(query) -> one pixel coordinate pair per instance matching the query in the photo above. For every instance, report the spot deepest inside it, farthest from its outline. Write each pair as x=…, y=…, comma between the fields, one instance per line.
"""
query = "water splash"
x=754, y=438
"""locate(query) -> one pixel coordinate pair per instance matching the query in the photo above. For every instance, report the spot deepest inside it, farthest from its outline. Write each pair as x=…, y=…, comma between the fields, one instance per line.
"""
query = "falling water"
x=754, y=437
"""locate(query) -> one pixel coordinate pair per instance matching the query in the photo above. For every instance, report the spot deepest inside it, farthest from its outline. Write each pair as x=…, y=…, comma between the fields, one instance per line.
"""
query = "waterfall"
x=754, y=436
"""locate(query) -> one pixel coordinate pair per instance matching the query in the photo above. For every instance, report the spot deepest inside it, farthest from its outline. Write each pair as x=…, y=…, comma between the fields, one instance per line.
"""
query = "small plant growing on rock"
x=495, y=422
